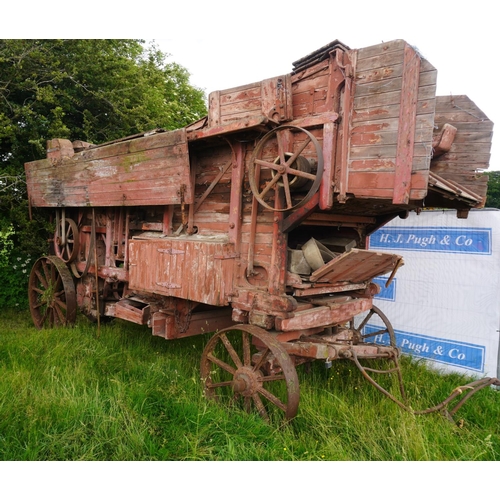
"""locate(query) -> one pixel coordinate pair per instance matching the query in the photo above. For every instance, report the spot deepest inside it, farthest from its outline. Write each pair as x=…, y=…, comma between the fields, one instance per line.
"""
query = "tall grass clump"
x=118, y=393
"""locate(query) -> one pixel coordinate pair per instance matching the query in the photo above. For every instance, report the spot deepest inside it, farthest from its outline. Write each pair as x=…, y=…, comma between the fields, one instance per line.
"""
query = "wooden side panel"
x=143, y=171
x=270, y=98
x=193, y=268
x=470, y=150
x=392, y=124
x=310, y=90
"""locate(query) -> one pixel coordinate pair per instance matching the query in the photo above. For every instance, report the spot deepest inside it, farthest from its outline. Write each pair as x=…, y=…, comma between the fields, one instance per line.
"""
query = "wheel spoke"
x=273, y=378
x=374, y=334
x=295, y=155
x=228, y=368
x=213, y=385
x=58, y=313
x=230, y=349
x=262, y=360
x=365, y=321
x=268, y=164
x=299, y=173
x=42, y=278
x=260, y=406
x=272, y=398
x=288, y=196
x=269, y=185
x=40, y=304
x=247, y=356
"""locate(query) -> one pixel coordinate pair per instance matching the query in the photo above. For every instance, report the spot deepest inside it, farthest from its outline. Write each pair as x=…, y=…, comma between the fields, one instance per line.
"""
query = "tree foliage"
x=493, y=196
x=92, y=90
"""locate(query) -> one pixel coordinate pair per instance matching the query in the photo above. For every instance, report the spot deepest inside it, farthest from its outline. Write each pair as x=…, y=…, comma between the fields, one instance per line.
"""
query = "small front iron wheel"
x=373, y=325
x=248, y=366
x=51, y=293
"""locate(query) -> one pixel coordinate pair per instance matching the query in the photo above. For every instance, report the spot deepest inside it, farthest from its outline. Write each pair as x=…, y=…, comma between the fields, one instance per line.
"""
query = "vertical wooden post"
x=342, y=175
x=235, y=208
x=407, y=125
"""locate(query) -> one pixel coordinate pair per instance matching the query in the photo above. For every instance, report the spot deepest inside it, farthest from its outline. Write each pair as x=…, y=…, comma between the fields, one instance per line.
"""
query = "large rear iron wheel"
x=289, y=170
x=52, y=296
x=247, y=366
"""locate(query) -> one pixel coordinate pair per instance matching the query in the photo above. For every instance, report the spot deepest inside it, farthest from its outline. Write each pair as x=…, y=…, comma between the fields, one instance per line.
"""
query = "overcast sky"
x=228, y=43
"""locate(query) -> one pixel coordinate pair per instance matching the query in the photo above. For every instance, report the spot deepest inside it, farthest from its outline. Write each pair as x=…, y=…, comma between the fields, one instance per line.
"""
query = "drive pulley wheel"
x=66, y=240
x=285, y=171
x=246, y=365
x=373, y=325
x=52, y=296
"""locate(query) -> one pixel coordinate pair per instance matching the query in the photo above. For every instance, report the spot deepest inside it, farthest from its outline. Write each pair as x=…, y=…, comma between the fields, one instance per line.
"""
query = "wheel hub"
x=246, y=381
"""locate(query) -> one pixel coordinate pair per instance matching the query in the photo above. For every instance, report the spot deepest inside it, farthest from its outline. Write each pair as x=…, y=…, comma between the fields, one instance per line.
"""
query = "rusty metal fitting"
x=346, y=354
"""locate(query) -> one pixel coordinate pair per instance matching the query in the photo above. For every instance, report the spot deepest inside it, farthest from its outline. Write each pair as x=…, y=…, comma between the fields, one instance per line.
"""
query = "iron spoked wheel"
x=373, y=325
x=234, y=369
x=66, y=240
x=286, y=170
x=52, y=296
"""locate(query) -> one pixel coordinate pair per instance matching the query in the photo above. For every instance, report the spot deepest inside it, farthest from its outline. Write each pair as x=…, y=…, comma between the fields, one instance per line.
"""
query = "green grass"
x=121, y=394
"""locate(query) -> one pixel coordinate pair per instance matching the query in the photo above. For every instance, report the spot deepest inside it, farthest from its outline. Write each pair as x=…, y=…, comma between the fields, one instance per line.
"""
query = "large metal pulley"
x=291, y=170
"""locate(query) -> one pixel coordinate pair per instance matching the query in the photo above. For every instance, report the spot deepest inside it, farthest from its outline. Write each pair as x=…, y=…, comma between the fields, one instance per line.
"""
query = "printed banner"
x=449, y=352
x=388, y=293
x=433, y=239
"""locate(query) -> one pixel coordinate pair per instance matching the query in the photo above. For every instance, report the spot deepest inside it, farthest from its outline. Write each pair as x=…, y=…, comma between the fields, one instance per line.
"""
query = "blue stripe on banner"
x=433, y=239
x=449, y=352
x=388, y=293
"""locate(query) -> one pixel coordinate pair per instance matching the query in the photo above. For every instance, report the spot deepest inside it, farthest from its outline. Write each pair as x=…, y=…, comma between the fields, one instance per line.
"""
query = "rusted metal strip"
x=407, y=125
x=212, y=185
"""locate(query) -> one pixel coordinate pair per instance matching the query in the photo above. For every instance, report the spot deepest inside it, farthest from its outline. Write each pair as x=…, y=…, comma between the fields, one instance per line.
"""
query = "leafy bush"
x=14, y=272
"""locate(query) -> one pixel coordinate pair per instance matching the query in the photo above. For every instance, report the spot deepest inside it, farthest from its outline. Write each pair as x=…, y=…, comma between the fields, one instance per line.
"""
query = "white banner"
x=444, y=303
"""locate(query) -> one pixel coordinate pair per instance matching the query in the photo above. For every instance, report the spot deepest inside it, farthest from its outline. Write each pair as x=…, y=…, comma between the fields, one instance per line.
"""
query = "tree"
x=493, y=196
x=92, y=90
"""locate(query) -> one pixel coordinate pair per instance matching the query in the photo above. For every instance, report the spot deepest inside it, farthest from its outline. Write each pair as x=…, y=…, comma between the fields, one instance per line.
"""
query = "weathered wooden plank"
x=380, y=184
x=356, y=266
x=390, y=111
x=382, y=180
x=391, y=98
x=384, y=164
x=94, y=178
x=385, y=131
x=326, y=315
x=381, y=48
x=248, y=93
x=390, y=84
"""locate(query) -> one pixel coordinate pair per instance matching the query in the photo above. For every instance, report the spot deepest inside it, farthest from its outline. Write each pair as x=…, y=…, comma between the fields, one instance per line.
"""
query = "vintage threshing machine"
x=252, y=222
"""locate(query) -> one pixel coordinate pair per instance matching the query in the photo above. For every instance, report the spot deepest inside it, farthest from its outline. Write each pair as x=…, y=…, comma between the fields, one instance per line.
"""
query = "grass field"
x=119, y=394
